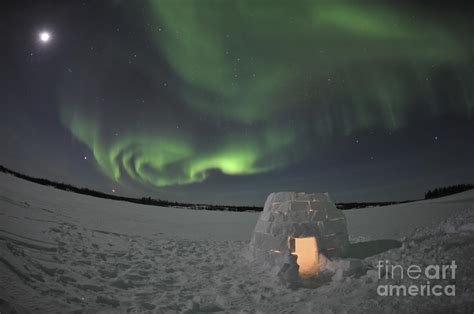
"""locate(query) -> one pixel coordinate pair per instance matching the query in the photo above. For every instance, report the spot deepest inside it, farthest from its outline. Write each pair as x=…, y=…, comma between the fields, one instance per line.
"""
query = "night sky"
x=226, y=101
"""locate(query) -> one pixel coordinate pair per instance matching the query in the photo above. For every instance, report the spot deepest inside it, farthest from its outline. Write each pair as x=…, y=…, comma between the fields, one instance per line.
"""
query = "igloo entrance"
x=307, y=253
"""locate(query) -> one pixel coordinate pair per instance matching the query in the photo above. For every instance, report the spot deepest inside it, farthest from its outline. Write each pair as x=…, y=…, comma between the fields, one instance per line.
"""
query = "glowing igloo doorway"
x=307, y=253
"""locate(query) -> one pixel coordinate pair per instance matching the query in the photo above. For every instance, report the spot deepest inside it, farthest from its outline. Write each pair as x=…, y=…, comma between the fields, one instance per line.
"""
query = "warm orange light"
x=306, y=249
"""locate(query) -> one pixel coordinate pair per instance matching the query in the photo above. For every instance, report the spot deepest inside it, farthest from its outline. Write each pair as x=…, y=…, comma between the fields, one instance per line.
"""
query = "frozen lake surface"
x=62, y=251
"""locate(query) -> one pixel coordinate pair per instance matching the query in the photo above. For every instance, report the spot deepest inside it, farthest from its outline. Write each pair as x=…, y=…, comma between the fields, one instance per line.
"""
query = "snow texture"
x=64, y=252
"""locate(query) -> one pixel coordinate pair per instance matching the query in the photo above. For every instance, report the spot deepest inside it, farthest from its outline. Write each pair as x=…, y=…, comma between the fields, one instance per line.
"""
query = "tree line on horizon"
x=448, y=190
x=142, y=200
x=438, y=192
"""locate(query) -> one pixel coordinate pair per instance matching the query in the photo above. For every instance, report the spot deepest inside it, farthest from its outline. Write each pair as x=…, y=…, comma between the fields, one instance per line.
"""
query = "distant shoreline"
x=166, y=203
x=142, y=200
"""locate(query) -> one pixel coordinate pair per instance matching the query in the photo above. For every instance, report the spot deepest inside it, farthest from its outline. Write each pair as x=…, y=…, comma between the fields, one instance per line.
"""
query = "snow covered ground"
x=61, y=251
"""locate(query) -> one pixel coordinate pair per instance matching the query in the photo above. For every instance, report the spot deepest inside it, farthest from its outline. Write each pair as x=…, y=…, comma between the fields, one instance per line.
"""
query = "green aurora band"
x=170, y=160
x=286, y=76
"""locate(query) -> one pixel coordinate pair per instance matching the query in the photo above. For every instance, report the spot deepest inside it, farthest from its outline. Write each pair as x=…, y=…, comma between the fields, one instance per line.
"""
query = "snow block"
x=317, y=215
x=299, y=215
x=280, y=197
x=299, y=206
x=263, y=226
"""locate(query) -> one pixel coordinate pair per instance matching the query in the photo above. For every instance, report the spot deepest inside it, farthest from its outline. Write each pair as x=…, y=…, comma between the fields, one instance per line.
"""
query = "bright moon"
x=45, y=36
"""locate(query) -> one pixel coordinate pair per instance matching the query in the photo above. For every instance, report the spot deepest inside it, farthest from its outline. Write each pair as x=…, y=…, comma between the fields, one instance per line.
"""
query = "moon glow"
x=45, y=37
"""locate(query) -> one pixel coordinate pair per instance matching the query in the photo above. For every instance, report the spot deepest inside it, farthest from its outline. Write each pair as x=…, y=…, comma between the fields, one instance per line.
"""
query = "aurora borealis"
x=235, y=98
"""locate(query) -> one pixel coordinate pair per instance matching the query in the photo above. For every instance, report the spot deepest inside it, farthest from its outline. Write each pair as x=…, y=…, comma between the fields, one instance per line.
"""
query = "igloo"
x=296, y=231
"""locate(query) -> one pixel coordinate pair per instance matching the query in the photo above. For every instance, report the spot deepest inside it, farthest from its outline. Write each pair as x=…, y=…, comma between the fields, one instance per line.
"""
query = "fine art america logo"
x=430, y=278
